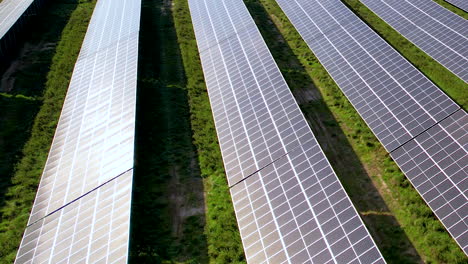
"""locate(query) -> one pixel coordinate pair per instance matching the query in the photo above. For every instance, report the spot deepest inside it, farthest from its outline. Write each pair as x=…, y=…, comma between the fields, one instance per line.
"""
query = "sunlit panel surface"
x=289, y=203
x=93, y=229
x=415, y=121
x=94, y=140
x=440, y=33
x=82, y=208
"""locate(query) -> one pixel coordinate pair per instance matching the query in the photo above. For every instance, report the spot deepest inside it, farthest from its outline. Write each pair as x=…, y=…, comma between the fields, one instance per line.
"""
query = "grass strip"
x=224, y=243
x=167, y=221
x=17, y=116
x=453, y=86
x=427, y=235
x=20, y=197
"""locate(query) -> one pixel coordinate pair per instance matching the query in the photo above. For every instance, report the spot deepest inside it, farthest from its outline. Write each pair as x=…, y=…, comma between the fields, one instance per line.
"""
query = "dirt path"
x=186, y=200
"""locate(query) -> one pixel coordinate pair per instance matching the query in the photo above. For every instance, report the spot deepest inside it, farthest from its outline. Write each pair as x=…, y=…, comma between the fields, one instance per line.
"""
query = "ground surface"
x=181, y=211
x=168, y=202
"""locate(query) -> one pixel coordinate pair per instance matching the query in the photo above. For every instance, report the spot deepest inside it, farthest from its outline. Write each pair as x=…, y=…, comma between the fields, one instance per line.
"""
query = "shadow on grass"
x=384, y=228
x=27, y=72
x=168, y=213
x=23, y=84
x=16, y=119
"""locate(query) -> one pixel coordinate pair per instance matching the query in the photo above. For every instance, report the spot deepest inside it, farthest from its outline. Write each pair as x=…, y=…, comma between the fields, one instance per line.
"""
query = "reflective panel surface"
x=94, y=139
x=392, y=96
x=82, y=208
x=289, y=203
x=421, y=127
x=93, y=229
x=436, y=163
x=440, y=33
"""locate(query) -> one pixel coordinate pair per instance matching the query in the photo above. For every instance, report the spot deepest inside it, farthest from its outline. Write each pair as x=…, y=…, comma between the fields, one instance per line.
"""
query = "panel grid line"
x=78, y=198
x=434, y=125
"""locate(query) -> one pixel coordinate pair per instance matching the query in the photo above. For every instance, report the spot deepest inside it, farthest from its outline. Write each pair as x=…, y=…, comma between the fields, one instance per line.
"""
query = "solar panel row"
x=438, y=32
x=419, y=125
x=92, y=148
x=462, y=4
x=392, y=96
x=94, y=138
x=290, y=205
x=118, y=21
x=436, y=164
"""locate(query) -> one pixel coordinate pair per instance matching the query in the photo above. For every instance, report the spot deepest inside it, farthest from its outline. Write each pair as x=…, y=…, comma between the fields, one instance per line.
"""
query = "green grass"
x=453, y=86
x=224, y=244
x=415, y=220
x=20, y=197
x=167, y=179
x=17, y=116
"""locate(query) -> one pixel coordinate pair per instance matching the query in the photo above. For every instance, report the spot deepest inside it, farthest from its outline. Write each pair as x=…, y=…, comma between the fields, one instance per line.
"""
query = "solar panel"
x=462, y=4
x=422, y=128
x=290, y=205
x=112, y=24
x=440, y=33
x=94, y=141
x=10, y=12
x=93, y=229
x=436, y=164
x=393, y=97
x=94, y=138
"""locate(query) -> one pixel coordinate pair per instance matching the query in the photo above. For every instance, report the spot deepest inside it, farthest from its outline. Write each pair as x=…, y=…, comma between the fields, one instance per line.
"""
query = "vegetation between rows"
x=167, y=221
x=20, y=196
x=431, y=241
x=22, y=84
x=224, y=244
x=175, y=154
